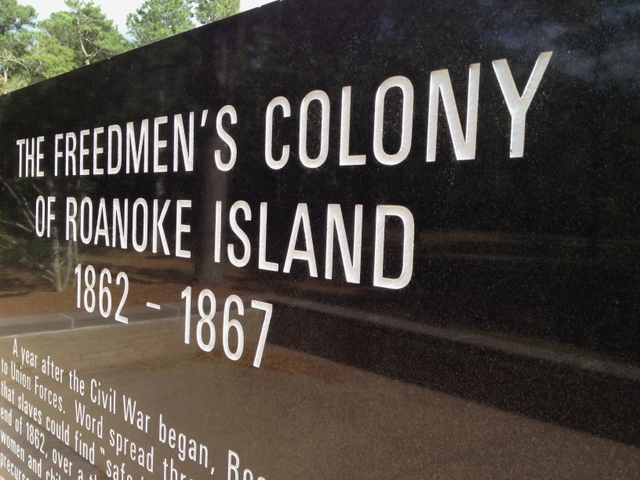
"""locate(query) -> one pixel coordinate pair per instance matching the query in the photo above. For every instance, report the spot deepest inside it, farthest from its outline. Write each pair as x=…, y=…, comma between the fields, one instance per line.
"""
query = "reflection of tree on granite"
x=51, y=257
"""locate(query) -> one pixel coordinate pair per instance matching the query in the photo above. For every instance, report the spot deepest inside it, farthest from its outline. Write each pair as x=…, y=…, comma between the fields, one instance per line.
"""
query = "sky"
x=116, y=10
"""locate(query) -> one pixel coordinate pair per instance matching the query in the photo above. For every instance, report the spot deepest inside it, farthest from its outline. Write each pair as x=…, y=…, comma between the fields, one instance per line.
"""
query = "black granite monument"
x=330, y=239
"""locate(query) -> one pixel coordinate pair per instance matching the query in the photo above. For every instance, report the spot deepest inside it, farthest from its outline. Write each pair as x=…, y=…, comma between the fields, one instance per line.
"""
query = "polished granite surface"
x=408, y=234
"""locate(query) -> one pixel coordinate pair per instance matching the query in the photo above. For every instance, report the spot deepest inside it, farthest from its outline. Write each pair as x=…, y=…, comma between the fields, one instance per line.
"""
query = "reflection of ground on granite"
x=300, y=416
x=152, y=279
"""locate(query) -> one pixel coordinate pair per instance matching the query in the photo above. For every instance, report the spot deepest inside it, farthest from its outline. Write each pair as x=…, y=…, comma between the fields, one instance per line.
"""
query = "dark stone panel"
x=525, y=287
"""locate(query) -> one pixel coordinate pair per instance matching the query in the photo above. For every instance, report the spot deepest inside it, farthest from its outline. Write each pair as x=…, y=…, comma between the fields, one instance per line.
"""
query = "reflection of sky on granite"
x=579, y=46
x=386, y=29
x=620, y=12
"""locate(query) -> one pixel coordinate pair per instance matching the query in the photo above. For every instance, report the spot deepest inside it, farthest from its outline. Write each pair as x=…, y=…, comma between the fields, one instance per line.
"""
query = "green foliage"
x=48, y=57
x=158, y=19
x=85, y=30
x=30, y=51
x=208, y=11
x=14, y=42
x=14, y=16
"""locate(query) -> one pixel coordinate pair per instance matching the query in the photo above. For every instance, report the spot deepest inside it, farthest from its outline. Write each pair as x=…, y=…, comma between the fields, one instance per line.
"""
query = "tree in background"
x=208, y=11
x=47, y=57
x=158, y=19
x=14, y=43
x=31, y=51
x=87, y=31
